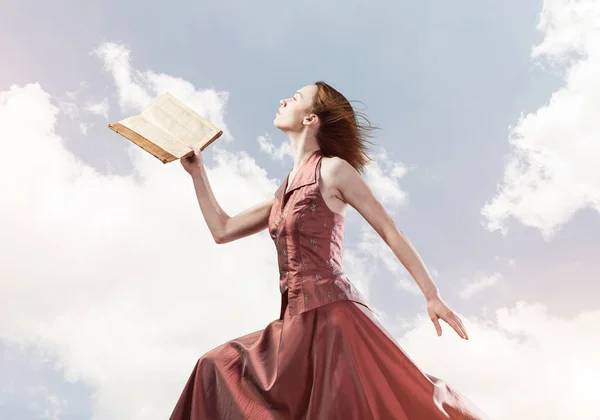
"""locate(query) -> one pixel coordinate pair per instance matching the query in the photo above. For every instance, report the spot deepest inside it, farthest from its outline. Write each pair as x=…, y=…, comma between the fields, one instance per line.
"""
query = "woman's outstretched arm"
x=224, y=228
x=354, y=191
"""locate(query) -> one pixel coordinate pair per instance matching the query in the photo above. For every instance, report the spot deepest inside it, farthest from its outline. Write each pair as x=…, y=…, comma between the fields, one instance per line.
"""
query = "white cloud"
x=382, y=176
x=483, y=282
x=98, y=108
x=116, y=278
x=70, y=109
x=43, y=404
x=55, y=406
x=377, y=252
x=70, y=106
x=83, y=127
x=276, y=153
x=136, y=89
x=523, y=364
x=553, y=170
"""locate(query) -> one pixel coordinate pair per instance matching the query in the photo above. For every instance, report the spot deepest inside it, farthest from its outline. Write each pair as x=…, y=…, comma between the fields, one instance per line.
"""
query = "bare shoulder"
x=352, y=189
x=337, y=173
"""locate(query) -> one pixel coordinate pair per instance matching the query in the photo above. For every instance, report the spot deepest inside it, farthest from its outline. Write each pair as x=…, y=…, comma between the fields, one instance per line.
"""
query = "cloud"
x=382, y=176
x=480, y=284
x=83, y=127
x=136, y=89
x=373, y=249
x=70, y=109
x=116, y=278
x=275, y=153
x=54, y=404
x=98, y=108
x=44, y=404
x=71, y=106
x=523, y=363
x=553, y=169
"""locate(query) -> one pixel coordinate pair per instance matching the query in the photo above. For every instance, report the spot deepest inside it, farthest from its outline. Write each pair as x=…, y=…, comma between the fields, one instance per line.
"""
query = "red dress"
x=326, y=357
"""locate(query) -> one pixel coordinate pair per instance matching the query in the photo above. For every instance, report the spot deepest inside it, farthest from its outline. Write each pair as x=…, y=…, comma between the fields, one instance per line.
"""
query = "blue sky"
x=486, y=160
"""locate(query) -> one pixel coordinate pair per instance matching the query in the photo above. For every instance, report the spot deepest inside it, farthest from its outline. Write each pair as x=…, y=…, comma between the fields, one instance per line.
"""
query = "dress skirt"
x=333, y=362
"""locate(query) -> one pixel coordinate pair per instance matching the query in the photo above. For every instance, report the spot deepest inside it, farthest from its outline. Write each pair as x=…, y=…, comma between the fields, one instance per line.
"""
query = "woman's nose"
x=282, y=102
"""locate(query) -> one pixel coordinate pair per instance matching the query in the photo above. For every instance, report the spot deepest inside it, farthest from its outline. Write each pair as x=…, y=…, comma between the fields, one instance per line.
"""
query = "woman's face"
x=294, y=112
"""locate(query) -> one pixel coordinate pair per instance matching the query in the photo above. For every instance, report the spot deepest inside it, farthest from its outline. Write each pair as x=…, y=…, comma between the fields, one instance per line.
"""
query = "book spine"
x=144, y=143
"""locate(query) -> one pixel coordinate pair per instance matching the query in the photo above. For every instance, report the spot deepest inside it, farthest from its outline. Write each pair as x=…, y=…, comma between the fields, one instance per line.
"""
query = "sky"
x=111, y=285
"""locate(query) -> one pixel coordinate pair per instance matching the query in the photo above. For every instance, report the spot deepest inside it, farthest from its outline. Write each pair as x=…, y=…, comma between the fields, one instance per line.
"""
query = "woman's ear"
x=311, y=119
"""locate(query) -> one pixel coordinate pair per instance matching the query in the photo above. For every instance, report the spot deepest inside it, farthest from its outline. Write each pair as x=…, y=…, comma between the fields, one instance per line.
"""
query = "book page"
x=156, y=135
x=181, y=122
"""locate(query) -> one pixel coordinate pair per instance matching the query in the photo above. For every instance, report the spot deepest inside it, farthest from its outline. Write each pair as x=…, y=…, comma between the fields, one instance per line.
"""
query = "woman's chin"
x=282, y=125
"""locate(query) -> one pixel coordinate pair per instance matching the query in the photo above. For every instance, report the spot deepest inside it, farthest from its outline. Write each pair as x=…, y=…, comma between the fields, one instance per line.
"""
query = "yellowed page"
x=182, y=123
x=156, y=135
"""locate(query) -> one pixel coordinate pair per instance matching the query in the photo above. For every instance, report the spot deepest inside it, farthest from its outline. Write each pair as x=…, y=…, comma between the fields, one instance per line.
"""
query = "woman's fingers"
x=455, y=322
x=436, y=323
x=438, y=309
x=462, y=327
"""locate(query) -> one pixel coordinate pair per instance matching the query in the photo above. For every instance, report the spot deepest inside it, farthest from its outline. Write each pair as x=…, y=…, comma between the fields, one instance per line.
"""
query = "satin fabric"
x=309, y=239
x=326, y=356
x=334, y=362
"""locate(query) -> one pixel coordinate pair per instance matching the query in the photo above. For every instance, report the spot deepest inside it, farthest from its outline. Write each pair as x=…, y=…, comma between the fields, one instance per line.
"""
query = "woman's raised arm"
x=224, y=228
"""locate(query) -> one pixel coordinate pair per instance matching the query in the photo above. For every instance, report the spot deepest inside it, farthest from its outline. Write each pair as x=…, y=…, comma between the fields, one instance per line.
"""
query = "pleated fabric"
x=334, y=362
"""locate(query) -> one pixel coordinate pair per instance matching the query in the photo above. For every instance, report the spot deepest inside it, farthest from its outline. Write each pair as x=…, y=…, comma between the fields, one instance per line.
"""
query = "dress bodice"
x=309, y=239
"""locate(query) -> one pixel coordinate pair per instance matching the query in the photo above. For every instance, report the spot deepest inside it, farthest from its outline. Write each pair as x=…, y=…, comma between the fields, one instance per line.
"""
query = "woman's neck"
x=302, y=147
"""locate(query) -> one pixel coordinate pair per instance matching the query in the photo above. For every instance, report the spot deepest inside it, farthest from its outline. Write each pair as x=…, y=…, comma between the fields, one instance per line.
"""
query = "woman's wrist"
x=432, y=294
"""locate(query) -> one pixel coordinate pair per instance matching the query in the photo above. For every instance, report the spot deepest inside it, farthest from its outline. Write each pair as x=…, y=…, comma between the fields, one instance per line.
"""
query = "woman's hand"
x=193, y=162
x=437, y=308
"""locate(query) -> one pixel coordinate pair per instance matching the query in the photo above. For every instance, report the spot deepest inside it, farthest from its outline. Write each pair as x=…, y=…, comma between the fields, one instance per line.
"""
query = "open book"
x=167, y=129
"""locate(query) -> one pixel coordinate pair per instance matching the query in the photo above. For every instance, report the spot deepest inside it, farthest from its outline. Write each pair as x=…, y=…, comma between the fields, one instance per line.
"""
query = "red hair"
x=340, y=132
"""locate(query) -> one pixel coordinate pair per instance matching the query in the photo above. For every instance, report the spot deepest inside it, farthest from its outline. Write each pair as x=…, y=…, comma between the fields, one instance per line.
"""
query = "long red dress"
x=326, y=357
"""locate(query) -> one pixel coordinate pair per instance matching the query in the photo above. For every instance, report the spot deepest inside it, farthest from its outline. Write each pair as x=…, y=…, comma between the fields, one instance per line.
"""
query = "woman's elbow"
x=220, y=238
x=220, y=234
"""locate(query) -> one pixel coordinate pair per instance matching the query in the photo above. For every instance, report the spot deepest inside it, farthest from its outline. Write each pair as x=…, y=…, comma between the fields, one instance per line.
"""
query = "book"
x=167, y=129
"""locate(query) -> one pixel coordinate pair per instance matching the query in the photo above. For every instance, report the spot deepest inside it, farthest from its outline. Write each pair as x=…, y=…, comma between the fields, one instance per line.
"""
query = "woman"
x=326, y=357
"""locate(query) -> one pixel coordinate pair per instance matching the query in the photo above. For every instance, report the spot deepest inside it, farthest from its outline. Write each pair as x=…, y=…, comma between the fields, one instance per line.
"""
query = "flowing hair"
x=343, y=131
